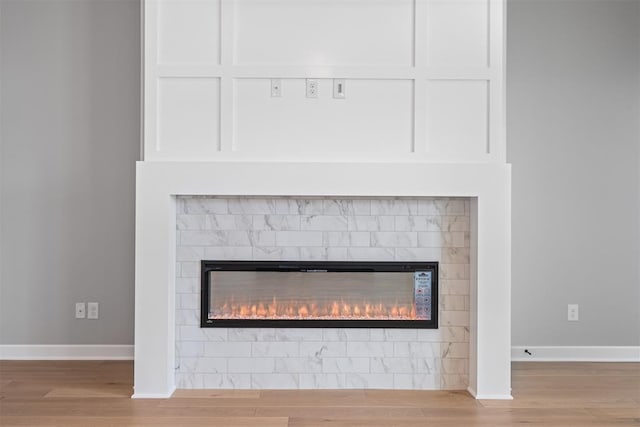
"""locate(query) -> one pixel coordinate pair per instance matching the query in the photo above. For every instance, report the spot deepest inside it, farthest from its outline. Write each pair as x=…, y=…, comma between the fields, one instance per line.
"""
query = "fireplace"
x=319, y=294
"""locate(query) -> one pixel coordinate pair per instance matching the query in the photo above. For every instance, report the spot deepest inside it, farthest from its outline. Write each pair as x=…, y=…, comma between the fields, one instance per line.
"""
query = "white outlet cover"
x=80, y=310
x=92, y=310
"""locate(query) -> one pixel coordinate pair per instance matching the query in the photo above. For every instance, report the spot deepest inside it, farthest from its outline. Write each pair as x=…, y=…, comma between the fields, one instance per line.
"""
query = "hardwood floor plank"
x=216, y=394
x=146, y=421
x=95, y=393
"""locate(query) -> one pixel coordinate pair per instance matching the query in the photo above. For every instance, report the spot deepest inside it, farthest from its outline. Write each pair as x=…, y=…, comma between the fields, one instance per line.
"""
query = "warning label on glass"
x=422, y=293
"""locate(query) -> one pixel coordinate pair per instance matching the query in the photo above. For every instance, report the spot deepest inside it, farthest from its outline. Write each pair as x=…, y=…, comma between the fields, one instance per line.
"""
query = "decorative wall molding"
x=66, y=352
x=576, y=354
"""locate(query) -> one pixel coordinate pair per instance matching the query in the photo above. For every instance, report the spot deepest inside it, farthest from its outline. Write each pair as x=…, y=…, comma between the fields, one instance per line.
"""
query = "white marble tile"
x=346, y=238
x=299, y=334
x=228, y=252
x=230, y=222
x=191, y=333
x=370, y=223
x=454, y=382
x=347, y=207
x=452, y=206
x=205, y=205
x=227, y=381
x=298, y=365
x=323, y=222
x=337, y=254
x=394, y=207
x=454, y=286
x=403, y=365
x=455, y=350
x=429, y=350
x=227, y=349
x=250, y=365
x=270, y=253
x=180, y=202
x=189, y=253
x=455, y=366
x=188, y=301
x=203, y=364
x=418, y=223
x=189, y=380
x=192, y=222
x=455, y=256
x=454, y=271
x=369, y=349
x=346, y=364
x=187, y=285
x=323, y=349
x=429, y=335
x=416, y=382
x=418, y=254
x=314, y=253
x=189, y=269
x=453, y=302
x=276, y=222
x=298, y=238
x=252, y=334
x=299, y=206
x=396, y=239
x=454, y=333
x=187, y=317
x=215, y=334
x=275, y=381
x=380, y=381
x=455, y=223
x=191, y=349
x=322, y=381
x=259, y=238
x=252, y=206
x=429, y=239
x=347, y=334
x=370, y=254
x=275, y=349
x=394, y=334
x=203, y=238
x=454, y=318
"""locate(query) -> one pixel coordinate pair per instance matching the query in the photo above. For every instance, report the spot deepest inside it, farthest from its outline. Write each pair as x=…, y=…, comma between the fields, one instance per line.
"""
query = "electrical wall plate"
x=312, y=88
x=276, y=88
x=339, y=89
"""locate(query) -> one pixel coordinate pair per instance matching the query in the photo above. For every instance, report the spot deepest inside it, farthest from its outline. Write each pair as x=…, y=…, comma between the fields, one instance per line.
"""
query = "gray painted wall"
x=70, y=83
x=573, y=139
x=70, y=126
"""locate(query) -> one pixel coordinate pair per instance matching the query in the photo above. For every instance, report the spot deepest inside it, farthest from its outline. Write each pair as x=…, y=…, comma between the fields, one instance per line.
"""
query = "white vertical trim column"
x=154, y=337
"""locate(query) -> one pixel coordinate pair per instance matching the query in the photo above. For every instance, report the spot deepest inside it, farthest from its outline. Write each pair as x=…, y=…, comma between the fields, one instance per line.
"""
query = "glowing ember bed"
x=319, y=294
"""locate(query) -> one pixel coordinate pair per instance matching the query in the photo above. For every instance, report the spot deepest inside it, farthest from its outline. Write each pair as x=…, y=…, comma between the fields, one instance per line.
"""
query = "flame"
x=292, y=310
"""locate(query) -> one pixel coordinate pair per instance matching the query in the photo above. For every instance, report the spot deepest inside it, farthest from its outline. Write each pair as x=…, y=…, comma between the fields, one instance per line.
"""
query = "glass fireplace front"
x=319, y=294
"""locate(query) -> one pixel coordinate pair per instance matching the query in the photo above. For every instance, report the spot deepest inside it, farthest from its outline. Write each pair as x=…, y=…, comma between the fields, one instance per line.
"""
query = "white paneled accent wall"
x=423, y=79
x=324, y=228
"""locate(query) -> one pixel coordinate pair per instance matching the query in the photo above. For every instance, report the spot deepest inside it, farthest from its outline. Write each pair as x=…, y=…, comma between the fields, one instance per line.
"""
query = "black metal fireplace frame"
x=207, y=266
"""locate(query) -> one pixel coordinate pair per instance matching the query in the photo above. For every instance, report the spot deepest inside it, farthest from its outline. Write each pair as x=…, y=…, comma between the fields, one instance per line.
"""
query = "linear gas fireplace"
x=319, y=294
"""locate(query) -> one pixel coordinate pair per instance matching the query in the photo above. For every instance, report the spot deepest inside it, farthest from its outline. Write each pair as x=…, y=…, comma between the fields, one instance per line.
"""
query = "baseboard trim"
x=477, y=396
x=66, y=352
x=576, y=354
x=154, y=395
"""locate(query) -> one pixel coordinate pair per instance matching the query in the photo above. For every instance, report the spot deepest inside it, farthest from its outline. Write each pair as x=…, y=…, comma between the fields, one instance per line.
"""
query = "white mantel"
x=423, y=117
x=488, y=186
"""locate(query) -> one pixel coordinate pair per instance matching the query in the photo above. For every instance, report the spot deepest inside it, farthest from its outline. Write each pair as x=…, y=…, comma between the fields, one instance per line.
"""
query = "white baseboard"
x=66, y=352
x=576, y=354
x=153, y=395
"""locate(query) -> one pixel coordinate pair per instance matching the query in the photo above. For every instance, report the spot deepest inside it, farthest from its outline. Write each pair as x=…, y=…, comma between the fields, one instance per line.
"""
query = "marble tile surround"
x=323, y=228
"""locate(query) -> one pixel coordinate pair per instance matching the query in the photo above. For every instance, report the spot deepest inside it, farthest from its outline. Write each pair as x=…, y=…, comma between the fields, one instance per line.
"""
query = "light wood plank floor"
x=97, y=394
